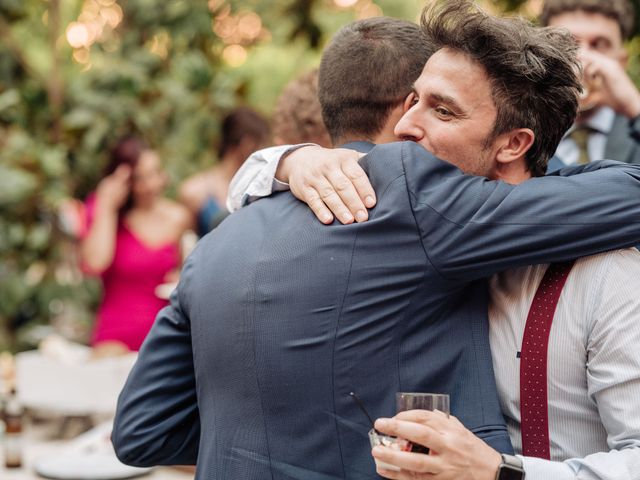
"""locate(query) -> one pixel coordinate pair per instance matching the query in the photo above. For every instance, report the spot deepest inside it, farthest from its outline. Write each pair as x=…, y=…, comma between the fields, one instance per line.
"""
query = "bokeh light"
x=215, y=5
x=345, y=3
x=96, y=20
x=160, y=44
x=242, y=28
x=249, y=25
x=368, y=10
x=78, y=35
x=81, y=56
x=234, y=55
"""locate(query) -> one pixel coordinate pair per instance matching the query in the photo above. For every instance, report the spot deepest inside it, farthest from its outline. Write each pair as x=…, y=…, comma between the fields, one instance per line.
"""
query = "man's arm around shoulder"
x=473, y=227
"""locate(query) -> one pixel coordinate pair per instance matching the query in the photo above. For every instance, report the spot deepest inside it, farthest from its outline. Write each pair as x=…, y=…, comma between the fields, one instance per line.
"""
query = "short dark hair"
x=368, y=68
x=297, y=116
x=533, y=71
x=240, y=123
x=621, y=11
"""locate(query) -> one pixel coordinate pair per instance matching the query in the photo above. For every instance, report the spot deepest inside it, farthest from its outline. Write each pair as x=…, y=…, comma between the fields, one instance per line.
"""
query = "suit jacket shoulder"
x=620, y=145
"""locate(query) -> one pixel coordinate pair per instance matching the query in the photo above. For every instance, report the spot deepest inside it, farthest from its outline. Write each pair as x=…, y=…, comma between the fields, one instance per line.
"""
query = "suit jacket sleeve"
x=157, y=420
x=472, y=227
x=567, y=171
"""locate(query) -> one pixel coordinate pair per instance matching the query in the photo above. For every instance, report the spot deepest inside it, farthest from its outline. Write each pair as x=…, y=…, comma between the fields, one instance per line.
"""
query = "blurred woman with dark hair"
x=132, y=241
x=243, y=131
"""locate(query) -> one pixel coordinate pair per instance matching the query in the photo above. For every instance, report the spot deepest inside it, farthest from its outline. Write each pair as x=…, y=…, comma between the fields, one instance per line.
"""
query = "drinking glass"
x=422, y=401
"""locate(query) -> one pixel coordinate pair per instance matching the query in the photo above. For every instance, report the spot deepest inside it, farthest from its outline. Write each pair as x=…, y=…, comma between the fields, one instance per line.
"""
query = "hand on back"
x=330, y=181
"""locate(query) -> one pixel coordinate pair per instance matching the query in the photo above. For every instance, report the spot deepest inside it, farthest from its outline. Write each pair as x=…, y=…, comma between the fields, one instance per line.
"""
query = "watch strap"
x=511, y=468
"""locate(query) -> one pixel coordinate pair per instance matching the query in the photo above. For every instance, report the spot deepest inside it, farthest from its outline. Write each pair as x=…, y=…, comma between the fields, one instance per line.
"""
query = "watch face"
x=507, y=472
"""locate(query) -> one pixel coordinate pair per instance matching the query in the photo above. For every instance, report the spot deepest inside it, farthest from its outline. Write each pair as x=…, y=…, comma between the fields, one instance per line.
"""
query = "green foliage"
x=58, y=118
x=160, y=72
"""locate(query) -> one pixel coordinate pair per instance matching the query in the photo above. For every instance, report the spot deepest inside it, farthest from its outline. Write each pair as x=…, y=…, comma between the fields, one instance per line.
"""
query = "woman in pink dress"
x=132, y=242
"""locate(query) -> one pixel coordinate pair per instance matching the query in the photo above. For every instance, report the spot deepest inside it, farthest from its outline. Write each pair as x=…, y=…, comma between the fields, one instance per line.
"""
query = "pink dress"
x=129, y=304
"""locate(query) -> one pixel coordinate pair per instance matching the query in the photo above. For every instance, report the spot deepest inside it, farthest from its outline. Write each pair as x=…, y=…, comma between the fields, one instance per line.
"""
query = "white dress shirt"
x=593, y=366
x=256, y=178
x=601, y=122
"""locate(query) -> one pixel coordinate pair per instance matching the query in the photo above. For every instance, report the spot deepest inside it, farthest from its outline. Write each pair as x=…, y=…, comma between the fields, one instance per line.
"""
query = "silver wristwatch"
x=510, y=468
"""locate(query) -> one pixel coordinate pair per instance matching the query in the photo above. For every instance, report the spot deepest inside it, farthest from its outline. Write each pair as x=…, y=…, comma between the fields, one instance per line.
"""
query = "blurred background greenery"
x=77, y=74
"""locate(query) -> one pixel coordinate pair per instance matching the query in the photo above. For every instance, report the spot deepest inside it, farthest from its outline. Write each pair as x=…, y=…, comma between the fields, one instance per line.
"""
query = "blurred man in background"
x=608, y=123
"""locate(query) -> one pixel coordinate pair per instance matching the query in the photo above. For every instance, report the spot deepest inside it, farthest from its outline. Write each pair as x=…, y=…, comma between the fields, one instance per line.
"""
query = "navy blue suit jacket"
x=278, y=317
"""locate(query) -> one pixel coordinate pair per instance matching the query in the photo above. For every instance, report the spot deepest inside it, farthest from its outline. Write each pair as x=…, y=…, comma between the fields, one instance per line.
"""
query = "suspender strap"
x=534, y=414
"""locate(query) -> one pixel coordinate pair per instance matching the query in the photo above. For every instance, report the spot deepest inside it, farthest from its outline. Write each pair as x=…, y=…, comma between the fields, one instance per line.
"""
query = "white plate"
x=86, y=466
x=88, y=457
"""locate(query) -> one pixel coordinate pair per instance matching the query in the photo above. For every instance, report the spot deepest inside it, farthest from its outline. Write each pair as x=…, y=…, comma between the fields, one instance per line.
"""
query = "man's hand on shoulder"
x=330, y=181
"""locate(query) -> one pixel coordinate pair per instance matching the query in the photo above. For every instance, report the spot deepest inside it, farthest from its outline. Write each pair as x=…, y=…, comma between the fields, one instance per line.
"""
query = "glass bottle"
x=13, y=417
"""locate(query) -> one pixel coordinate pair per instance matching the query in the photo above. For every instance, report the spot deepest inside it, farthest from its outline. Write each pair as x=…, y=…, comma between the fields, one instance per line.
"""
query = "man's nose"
x=408, y=129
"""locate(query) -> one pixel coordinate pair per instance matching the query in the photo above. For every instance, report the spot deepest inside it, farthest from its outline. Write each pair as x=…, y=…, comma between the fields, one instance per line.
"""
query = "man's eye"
x=601, y=45
x=443, y=112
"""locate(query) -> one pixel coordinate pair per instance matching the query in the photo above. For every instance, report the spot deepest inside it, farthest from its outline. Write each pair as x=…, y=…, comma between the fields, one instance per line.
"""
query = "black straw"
x=364, y=410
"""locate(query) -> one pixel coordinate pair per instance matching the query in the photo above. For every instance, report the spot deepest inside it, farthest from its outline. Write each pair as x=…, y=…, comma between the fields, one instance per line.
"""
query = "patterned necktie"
x=534, y=414
x=580, y=135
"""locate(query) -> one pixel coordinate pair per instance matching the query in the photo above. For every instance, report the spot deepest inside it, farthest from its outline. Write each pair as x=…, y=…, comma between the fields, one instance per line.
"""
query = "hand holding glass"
x=421, y=401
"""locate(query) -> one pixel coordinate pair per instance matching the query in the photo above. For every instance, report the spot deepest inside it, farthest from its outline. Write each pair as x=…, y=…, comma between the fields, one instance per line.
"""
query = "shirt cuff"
x=266, y=182
x=279, y=186
x=540, y=469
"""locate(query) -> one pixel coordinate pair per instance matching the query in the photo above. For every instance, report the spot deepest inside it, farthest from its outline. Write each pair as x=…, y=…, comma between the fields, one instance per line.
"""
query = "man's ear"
x=514, y=145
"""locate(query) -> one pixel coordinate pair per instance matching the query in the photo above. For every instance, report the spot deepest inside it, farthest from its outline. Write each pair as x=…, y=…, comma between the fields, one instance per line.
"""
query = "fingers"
x=311, y=197
x=388, y=473
x=356, y=175
x=349, y=192
x=342, y=198
x=324, y=195
x=408, y=462
x=331, y=182
x=419, y=433
x=322, y=198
